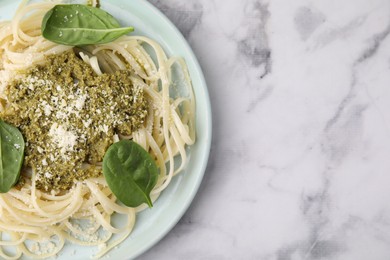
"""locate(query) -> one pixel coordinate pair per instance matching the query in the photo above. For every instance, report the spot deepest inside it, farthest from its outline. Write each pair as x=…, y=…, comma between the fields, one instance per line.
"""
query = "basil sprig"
x=75, y=25
x=130, y=172
x=11, y=156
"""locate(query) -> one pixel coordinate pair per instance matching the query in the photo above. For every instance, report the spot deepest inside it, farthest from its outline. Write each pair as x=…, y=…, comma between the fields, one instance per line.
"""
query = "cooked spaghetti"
x=36, y=220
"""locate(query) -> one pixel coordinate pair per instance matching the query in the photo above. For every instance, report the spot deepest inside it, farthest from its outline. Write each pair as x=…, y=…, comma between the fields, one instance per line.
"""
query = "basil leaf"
x=130, y=172
x=75, y=24
x=11, y=156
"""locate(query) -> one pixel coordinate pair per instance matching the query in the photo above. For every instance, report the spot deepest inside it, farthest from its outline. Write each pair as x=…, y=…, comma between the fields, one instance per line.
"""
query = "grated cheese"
x=64, y=139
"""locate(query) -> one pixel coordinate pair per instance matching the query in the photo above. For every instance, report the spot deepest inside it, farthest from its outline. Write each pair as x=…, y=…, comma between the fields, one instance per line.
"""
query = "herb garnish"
x=75, y=25
x=11, y=156
x=130, y=172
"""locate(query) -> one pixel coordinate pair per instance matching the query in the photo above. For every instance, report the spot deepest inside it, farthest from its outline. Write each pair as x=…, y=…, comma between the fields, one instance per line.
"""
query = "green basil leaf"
x=11, y=156
x=75, y=25
x=130, y=172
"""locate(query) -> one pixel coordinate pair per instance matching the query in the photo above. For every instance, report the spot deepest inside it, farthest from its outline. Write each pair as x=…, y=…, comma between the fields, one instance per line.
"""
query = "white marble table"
x=300, y=160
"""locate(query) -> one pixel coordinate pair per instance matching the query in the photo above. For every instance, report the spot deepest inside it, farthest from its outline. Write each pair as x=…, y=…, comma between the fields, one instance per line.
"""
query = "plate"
x=153, y=224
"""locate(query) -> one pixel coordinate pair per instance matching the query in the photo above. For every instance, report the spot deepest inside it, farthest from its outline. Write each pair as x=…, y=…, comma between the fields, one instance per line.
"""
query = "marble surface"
x=300, y=159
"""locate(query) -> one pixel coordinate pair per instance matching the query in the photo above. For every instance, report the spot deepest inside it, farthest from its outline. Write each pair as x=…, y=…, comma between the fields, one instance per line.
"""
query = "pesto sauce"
x=68, y=116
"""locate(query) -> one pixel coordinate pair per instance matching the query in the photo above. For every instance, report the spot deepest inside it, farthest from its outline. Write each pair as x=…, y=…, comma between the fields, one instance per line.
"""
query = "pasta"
x=37, y=223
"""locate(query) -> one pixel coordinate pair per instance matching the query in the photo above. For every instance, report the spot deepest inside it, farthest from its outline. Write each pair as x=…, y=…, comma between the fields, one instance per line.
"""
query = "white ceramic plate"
x=153, y=224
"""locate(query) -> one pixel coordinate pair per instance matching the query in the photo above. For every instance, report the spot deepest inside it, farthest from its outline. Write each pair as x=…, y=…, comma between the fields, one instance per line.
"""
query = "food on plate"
x=93, y=125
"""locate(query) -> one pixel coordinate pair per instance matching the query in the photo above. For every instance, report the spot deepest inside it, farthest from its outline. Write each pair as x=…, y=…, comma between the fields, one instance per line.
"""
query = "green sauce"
x=68, y=116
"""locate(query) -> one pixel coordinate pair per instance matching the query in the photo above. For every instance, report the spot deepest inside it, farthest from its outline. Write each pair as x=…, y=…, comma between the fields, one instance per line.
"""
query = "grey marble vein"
x=377, y=39
x=254, y=47
x=185, y=17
